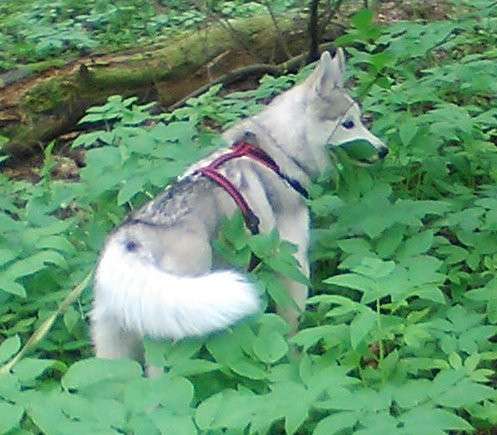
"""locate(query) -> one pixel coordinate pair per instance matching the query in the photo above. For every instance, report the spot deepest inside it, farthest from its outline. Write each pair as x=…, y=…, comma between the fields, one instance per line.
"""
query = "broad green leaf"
x=102, y=413
x=247, y=368
x=142, y=425
x=390, y=241
x=10, y=416
x=277, y=290
x=429, y=420
x=455, y=360
x=227, y=351
x=310, y=336
x=418, y=244
x=335, y=423
x=58, y=243
x=230, y=409
x=181, y=396
x=92, y=371
x=169, y=423
x=465, y=393
x=142, y=395
x=208, y=411
x=407, y=130
x=374, y=268
x=270, y=346
x=33, y=264
x=380, y=422
x=288, y=267
x=353, y=281
x=270, y=322
x=411, y=393
x=7, y=255
x=29, y=369
x=294, y=411
x=130, y=188
x=354, y=246
x=429, y=292
x=71, y=318
x=361, y=326
x=192, y=367
x=363, y=19
x=9, y=347
x=9, y=224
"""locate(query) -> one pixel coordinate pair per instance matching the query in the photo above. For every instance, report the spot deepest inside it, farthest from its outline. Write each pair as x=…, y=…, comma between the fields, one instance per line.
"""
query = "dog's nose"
x=382, y=152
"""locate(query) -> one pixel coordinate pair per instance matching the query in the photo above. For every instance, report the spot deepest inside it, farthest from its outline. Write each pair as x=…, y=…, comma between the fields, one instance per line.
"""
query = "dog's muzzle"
x=383, y=152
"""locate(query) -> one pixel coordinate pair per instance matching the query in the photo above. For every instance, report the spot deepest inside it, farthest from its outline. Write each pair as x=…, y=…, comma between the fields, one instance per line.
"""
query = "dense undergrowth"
x=36, y=31
x=400, y=334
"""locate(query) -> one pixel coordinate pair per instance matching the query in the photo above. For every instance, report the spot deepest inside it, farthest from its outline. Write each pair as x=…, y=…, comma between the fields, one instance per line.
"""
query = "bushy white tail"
x=133, y=291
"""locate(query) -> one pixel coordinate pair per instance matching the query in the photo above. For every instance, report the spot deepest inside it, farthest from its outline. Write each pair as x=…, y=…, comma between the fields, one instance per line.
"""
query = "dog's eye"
x=348, y=124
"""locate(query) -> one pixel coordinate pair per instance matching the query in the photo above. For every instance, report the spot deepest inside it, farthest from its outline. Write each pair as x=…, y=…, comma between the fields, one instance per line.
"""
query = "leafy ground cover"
x=400, y=334
x=34, y=31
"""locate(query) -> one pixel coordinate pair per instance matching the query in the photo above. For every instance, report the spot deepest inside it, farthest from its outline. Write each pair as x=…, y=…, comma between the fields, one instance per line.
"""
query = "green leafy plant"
x=399, y=334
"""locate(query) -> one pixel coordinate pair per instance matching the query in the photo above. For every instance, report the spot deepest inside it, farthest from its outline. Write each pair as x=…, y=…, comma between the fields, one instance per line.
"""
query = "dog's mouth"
x=363, y=152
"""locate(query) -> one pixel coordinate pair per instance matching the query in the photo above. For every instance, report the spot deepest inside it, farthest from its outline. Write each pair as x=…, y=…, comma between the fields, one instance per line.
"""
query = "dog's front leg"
x=295, y=229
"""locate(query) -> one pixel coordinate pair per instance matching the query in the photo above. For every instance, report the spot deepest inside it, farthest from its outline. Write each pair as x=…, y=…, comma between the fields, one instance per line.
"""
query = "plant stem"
x=45, y=327
x=380, y=328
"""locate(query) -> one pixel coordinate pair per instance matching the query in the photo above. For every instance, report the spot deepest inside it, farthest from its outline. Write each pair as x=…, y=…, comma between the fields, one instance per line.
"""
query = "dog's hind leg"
x=190, y=256
x=295, y=229
x=111, y=341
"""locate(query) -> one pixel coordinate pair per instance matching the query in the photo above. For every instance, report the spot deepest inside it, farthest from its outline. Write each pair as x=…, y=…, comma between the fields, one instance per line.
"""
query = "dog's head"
x=335, y=115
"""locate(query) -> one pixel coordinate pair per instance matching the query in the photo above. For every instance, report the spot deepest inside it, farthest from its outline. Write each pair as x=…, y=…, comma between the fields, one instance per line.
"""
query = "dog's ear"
x=329, y=73
x=340, y=58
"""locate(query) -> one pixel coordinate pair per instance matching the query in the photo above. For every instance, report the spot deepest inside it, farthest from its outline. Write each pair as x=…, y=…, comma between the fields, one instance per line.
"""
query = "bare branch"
x=279, y=33
x=236, y=36
x=291, y=65
x=331, y=11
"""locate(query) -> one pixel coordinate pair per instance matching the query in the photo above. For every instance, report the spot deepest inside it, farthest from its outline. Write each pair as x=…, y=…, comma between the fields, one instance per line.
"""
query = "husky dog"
x=157, y=273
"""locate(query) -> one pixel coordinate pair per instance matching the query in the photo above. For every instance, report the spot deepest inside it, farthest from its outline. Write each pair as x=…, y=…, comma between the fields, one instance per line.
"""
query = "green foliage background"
x=41, y=31
x=400, y=334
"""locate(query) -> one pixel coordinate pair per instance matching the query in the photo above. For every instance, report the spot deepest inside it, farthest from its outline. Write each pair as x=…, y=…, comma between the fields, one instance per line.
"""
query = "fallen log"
x=35, y=110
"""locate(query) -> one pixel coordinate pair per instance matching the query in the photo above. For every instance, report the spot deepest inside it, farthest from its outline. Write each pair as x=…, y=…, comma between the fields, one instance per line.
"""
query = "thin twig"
x=290, y=65
x=330, y=13
x=226, y=79
x=279, y=33
x=237, y=37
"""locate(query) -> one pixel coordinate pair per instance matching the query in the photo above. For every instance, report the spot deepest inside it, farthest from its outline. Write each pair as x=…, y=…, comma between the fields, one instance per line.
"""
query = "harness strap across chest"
x=245, y=149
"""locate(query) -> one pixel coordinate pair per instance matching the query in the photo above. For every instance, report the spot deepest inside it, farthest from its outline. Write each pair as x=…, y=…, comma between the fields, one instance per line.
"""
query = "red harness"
x=245, y=149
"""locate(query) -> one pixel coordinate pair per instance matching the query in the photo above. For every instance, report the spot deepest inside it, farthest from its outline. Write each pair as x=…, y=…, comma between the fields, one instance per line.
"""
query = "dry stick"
x=44, y=328
x=226, y=79
x=279, y=33
x=236, y=36
x=330, y=13
x=205, y=31
x=209, y=66
x=259, y=68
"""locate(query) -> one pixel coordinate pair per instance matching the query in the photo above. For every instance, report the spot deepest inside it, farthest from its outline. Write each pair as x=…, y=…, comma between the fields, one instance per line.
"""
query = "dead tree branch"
x=291, y=65
x=331, y=10
x=236, y=36
x=279, y=33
